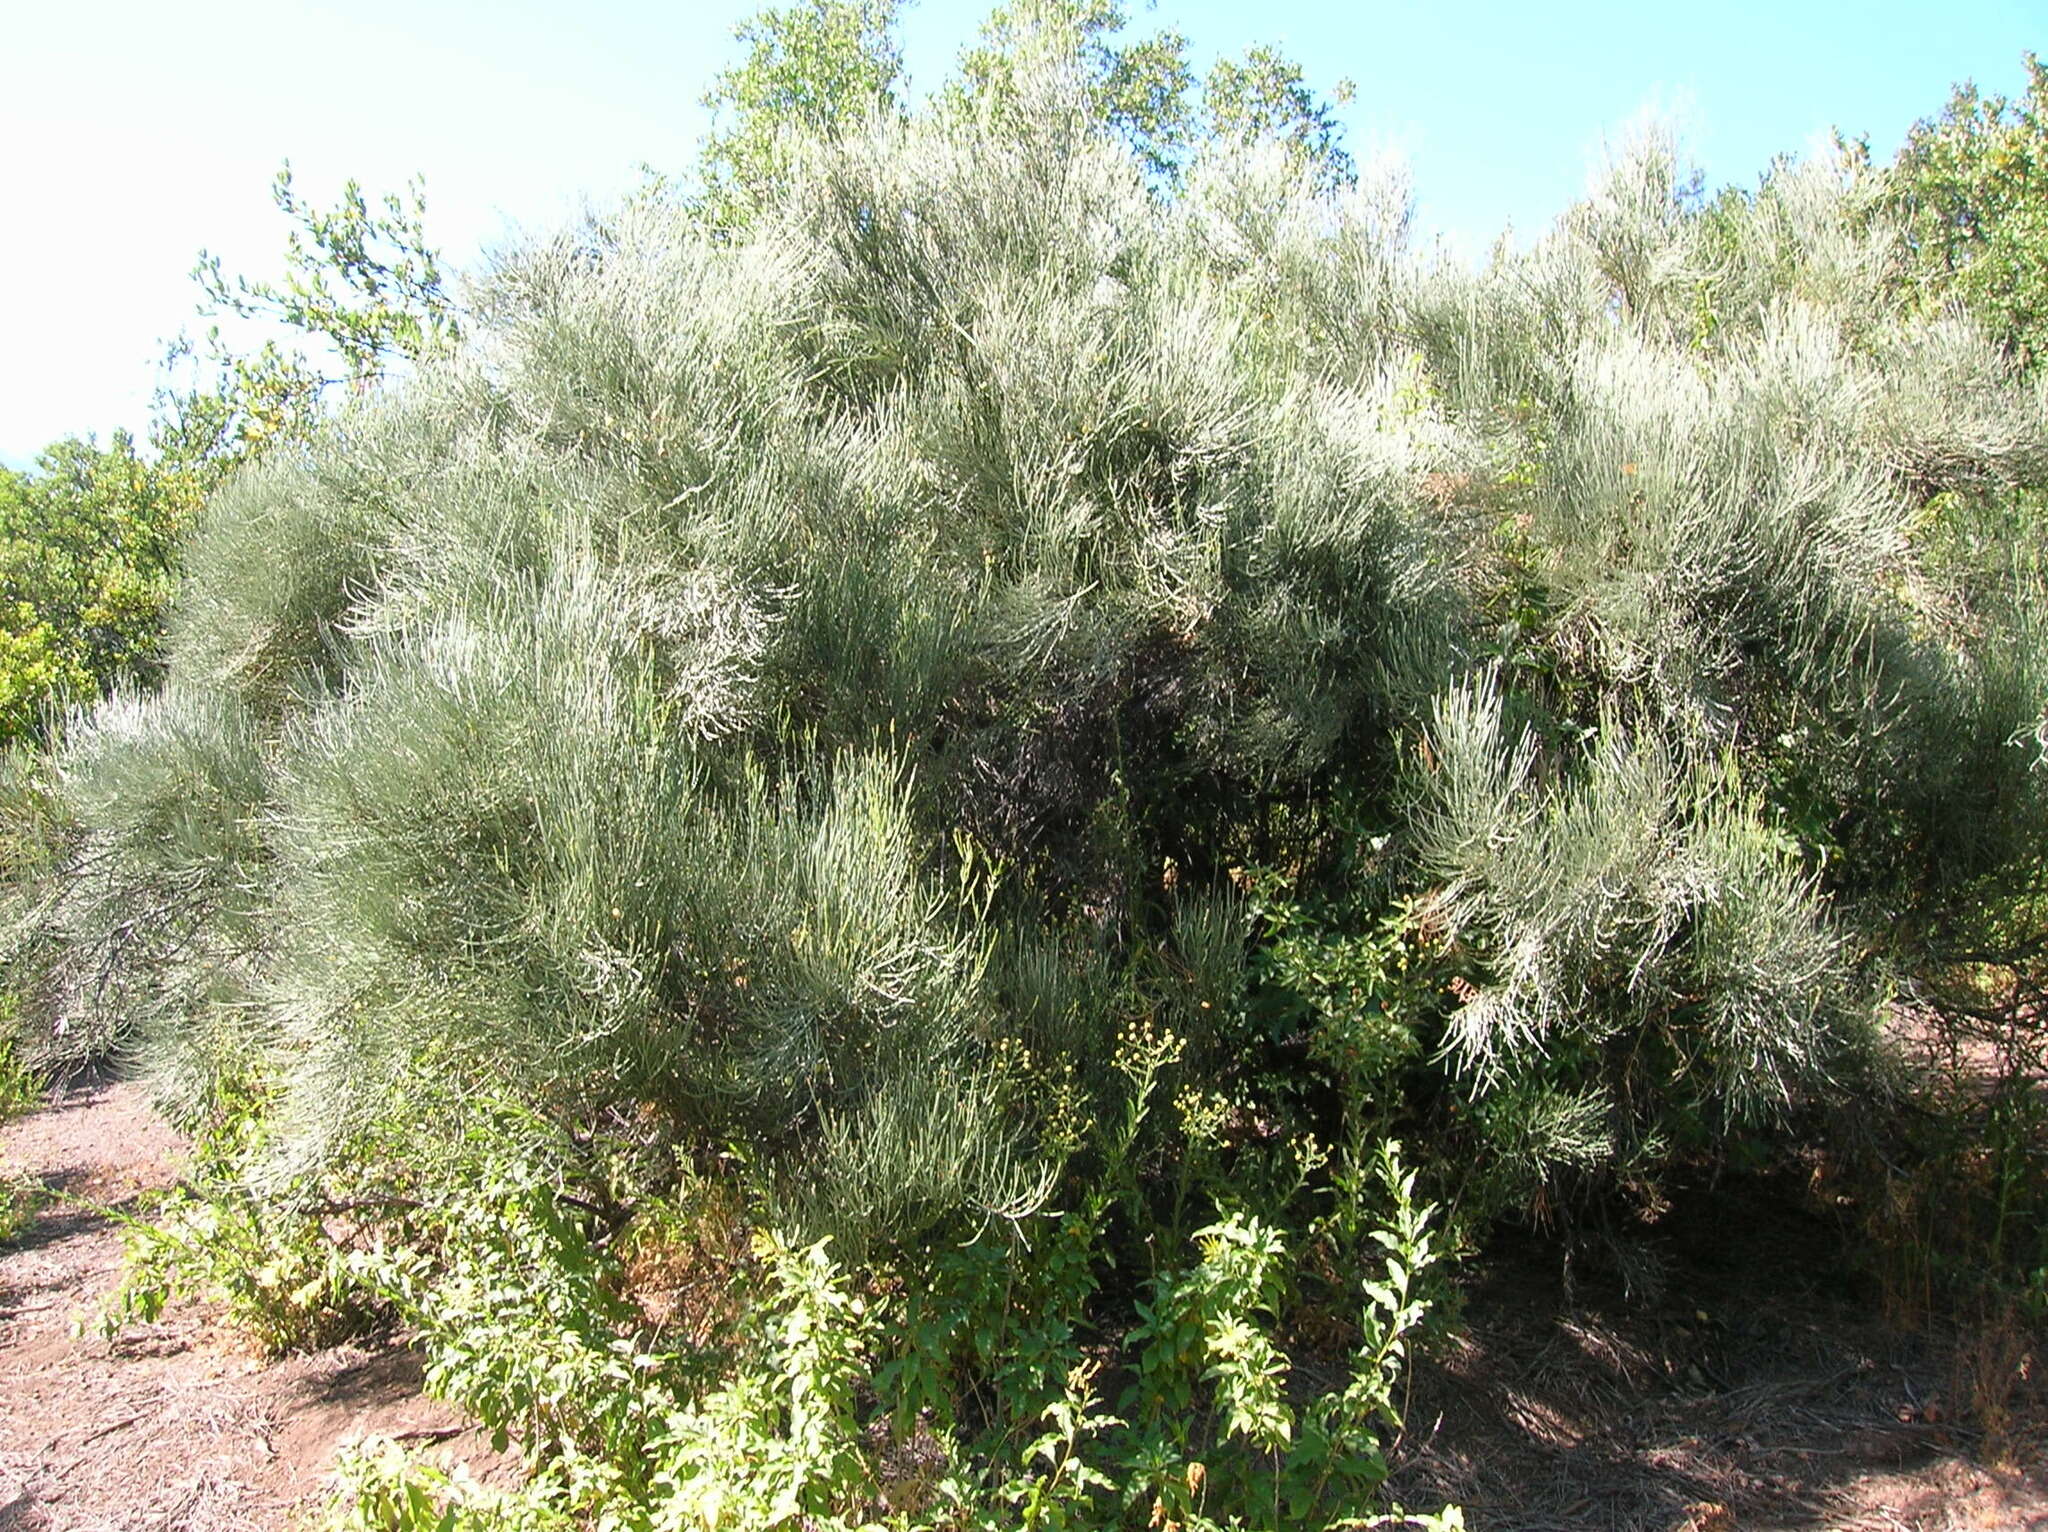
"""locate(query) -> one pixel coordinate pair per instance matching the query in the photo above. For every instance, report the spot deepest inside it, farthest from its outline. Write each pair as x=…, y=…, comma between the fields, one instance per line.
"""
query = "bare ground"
x=175, y=1425
x=1757, y=1394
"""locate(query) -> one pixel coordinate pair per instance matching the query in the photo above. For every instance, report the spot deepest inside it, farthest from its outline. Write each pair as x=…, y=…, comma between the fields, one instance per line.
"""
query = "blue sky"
x=133, y=132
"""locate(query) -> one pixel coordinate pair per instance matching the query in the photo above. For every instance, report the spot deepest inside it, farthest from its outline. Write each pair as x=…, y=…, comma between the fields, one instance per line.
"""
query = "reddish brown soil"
x=175, y=1425
x=1756, y=1393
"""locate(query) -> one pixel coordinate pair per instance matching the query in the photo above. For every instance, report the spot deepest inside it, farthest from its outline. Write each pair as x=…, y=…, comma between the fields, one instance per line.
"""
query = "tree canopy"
x=1970, y=191
x=87, y=546
x=90, y=537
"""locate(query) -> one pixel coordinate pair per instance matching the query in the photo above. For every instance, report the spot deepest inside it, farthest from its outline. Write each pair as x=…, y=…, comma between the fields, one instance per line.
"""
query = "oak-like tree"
x=1969, y=190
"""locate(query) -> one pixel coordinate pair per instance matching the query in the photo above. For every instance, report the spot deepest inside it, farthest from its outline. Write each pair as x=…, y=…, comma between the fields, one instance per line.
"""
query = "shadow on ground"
x=1753, y=1393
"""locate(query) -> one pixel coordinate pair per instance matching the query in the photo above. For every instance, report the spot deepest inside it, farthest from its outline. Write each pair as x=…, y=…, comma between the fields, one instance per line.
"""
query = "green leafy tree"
x=89, y=538
x=824, y=68
x=87, y=556
x=1145, y=91
x=366, y=283
x=813, y=68
x=1136, y=88
x=1970, y=191
x=1265, y=95
x=362, y=285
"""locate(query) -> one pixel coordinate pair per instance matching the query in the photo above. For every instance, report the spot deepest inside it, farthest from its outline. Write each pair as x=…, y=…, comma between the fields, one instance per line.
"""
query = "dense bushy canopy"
x=814, y=682
x=1967, y=191
x=86, y=558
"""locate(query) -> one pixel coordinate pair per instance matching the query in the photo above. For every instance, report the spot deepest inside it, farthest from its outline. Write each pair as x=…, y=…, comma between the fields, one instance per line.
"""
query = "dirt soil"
x=175, y=1425
x=1756, y=1393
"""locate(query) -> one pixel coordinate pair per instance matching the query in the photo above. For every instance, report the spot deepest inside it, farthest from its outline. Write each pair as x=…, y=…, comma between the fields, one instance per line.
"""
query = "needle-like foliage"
x=779, y=660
